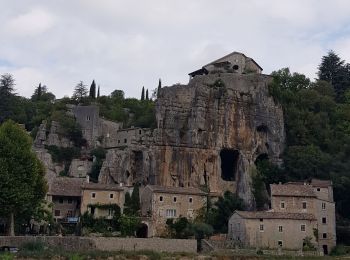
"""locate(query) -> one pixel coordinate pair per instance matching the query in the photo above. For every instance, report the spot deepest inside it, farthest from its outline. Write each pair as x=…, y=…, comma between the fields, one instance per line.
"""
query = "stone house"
x=65, y=195
x=97, y=196
x=268, y=229
x=295, y=206
x=160, y=203
x=234, y=62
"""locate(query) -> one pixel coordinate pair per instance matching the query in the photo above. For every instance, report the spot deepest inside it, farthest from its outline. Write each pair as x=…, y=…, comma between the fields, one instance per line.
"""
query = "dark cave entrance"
x=261, y=158
x=229, y=164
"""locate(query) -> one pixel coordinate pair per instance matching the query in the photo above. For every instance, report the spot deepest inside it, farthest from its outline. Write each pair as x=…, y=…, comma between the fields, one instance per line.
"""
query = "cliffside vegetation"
x=317, y=123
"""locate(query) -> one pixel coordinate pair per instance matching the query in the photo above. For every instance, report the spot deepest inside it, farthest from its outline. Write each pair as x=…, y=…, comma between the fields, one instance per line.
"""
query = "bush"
x=36, y=246
x=339, y=250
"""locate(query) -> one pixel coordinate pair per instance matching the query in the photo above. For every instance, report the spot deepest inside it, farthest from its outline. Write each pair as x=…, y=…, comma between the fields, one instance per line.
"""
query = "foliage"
x=339, y=250
x=179, y=228
x=201, y=230
x=63, y=154
x=33, y=246
x=132, y=203
x=80, y=92
x=317, y=131
x=334, y=70
x=219, y=214
x=22, y=183
x=143, y=94
x=92, y=92
x=129, y=224
x=99, y=155
x=308, y=245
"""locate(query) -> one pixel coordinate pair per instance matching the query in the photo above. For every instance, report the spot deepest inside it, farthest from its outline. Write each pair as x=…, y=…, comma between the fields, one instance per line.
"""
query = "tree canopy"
x=22, y=183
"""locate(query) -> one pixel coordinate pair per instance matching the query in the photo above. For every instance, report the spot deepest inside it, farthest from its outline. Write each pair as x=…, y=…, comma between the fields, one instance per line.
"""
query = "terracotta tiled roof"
x=176, y=190
x=292, y=190
x=100, y=186
x=65, y=186
x=321, y=183
x=274, y=215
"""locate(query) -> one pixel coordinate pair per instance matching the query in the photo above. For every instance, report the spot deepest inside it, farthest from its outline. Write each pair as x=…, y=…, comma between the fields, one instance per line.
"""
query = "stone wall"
x=106, y=244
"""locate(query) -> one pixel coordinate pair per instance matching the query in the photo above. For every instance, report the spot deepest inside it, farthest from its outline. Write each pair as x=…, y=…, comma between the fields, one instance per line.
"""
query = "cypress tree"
x=39, y=92
x=92, y=93
x=143, y=93
x=147, y=94
x=98, y=91
x=159, y=87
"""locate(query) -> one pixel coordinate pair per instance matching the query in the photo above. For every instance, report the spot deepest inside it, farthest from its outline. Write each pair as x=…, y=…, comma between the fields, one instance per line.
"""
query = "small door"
x=325, y=249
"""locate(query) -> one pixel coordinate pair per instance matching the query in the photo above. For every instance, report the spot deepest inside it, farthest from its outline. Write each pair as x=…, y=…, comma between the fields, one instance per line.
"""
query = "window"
x=280, y=243
x=261, y=228
x=111, y=195
x=57, y=213
x=70, y=201
x=190, y=200
x=280, y=228
x=323, y=205
x=140, y=132
x=318, y=189
x=92, y=210
x=170, y=213
x=282, y=205
x=60, y=200
x=88, y=118
x=324, y=235
x=302, y=227
x=69, y=213
x=324, y=221
x=261, y=220
x=93, y=195
x=118, y=141
x=304, y=204
x=174, y=199
x=110, y=212
x=160, y=198
x=125, y=140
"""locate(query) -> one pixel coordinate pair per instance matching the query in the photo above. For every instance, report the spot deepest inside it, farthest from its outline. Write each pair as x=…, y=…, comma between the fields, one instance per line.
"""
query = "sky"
x=127, y=44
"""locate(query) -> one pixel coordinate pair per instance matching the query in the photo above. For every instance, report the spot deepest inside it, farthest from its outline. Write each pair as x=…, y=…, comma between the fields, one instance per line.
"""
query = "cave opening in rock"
x=261, y=158
x=229, y=164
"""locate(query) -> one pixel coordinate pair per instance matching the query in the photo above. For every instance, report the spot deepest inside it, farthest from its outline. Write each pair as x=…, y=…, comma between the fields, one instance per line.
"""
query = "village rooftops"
x=176, y=190
x=65, y=186
x=321, y=183
x=292, y=190
x=100, y=186
x=274, y=215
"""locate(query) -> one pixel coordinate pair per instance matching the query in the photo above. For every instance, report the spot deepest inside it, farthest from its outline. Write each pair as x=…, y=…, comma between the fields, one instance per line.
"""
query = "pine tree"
x=143, y=93
x=334, y=70
x=39, y=92
x=147, y=94
x=98, y=91
x=159, y=87
x=80, y=91
x=92, y=93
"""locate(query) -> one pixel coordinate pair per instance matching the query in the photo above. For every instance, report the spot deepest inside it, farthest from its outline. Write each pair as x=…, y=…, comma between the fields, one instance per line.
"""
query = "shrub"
x=36, y=246
x=339, y=250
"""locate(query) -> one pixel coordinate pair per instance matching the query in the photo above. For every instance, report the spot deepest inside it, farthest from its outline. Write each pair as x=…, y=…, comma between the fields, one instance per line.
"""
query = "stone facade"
x=79, y=168
x=292, y=204
x=96, y=194
x=162, y=203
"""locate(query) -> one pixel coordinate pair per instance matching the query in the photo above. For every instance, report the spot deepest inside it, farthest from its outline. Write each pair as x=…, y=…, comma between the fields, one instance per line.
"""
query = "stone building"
x=301, y=209
x=268, y=229
x=234, y=62
x=160, y=203
x=65, y=195
x=96, y=198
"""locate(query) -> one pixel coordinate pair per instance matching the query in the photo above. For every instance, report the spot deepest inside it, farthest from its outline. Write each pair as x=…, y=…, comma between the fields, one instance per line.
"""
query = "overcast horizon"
x=129, y=44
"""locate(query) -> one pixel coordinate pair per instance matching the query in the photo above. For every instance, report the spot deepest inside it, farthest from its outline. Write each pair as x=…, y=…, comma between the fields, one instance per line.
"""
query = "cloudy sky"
x=132, y=43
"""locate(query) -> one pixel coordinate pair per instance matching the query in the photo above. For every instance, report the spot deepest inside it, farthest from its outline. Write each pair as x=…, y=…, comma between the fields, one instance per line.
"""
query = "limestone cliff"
x=210, y=132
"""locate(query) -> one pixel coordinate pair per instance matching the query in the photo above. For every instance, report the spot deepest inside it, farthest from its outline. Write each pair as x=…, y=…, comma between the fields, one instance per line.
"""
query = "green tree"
x=132, y=203
x=179, y=228
x=159, y=88
x=334, y=70
x=7, y=96
x=143, y=93
x=147, y=94
x=22, y=183
x=219, y=215
x=80, y=92
x=92, y=92
x=98, y=92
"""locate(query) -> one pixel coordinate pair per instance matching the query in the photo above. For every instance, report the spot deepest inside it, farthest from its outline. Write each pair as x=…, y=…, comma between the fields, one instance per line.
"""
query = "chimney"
x=87, y=178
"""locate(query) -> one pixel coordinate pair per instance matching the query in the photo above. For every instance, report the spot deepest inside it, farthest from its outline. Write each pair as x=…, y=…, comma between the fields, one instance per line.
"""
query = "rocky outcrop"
x=210, y=133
